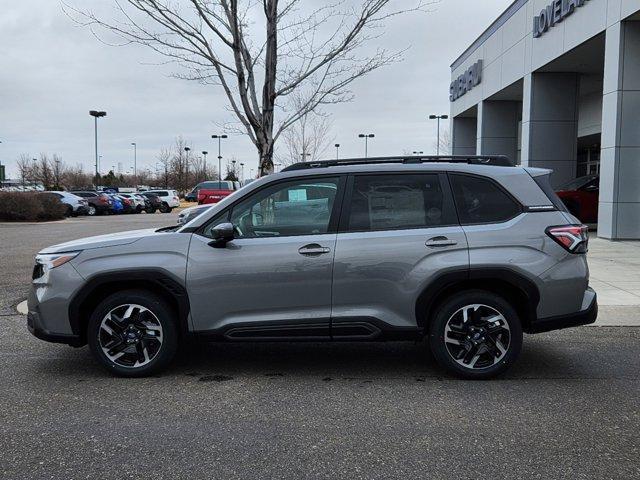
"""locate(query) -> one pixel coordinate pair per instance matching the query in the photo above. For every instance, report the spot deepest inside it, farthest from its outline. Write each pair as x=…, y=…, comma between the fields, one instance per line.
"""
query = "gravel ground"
x=568, y=409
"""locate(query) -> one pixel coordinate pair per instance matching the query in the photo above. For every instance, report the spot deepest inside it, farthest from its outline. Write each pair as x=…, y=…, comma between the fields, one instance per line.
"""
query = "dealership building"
x=556, y=84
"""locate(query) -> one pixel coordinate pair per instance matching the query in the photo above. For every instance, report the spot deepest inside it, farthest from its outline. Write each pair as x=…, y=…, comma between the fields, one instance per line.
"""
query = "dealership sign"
x=556, y=12
x=465, y=82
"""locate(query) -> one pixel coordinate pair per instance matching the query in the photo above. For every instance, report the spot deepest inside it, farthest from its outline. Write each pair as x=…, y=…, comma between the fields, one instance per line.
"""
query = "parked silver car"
x=467, y=252
x=188, y=214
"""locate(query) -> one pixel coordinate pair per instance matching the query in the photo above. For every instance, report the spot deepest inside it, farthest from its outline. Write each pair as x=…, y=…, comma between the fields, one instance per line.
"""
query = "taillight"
x=573, y=238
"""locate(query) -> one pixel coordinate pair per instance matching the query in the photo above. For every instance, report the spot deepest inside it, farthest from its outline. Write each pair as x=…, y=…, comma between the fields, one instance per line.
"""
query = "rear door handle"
x=438, y=242
x=313, y=249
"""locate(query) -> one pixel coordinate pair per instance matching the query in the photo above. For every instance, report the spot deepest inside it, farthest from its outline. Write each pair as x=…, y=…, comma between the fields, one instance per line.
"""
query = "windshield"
x=578, y=183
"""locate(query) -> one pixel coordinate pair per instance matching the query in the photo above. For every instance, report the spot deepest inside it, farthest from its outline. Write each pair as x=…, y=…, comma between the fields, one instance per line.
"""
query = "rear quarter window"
x=480, y=200
x=544, y=182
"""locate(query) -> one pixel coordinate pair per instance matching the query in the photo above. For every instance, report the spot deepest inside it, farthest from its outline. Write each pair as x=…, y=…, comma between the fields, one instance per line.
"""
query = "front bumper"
x=583, y=317
x=35, y=327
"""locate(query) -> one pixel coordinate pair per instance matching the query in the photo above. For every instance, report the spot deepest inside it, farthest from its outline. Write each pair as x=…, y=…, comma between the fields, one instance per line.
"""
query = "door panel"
x=397, y=233
x=274, y=279
x=260, y=281
x=380, y=275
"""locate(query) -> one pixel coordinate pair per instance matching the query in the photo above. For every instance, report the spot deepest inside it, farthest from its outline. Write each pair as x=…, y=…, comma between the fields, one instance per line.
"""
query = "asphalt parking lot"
x=570, y=408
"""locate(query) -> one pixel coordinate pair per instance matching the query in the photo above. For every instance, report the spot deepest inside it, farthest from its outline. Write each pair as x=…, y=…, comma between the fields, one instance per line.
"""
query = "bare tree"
x=232, y=170
x=164, y=159
x=76, y=178
x=444, y=142
x=261, y=53
x=307, y=139
x=25, y=168
x=57, y=171
x=42, y=171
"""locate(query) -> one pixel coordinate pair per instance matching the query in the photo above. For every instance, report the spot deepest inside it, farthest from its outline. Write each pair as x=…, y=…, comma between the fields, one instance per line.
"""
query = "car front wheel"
x=91, y=211
x=133, y=333
x=476, y=335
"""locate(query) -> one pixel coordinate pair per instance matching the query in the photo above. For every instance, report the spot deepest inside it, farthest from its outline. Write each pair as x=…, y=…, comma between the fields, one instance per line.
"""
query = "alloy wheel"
x=130, y=335
x=92, y=210
x=477, y=336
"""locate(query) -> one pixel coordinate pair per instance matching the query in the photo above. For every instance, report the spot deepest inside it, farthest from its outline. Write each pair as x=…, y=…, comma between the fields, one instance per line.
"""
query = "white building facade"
x=556, y=84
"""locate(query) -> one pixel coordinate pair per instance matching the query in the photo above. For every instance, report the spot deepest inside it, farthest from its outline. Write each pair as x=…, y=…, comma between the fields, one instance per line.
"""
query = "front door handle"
x=313, y=249
x=439, y=242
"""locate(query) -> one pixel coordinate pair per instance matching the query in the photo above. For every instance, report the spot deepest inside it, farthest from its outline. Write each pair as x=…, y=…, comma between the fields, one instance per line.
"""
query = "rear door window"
x=396, y=202
x=480, y=200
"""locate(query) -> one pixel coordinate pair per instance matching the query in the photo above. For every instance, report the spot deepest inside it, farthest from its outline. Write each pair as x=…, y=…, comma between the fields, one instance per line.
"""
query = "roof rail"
x=491, y=160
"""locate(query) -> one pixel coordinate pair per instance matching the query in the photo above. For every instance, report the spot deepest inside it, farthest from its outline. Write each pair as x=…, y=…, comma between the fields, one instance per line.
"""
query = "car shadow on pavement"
x=344, y=361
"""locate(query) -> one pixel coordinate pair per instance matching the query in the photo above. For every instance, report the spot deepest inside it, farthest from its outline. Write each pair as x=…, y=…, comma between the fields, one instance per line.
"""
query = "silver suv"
x=467, y=252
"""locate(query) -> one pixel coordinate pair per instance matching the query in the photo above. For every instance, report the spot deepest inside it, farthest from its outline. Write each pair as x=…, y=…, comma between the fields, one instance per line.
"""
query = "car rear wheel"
x=165, y=208
x=476, y=335
x=133, y=334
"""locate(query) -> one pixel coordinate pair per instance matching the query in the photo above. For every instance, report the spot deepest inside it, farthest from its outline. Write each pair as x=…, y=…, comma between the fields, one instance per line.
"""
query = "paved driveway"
x=568, y=409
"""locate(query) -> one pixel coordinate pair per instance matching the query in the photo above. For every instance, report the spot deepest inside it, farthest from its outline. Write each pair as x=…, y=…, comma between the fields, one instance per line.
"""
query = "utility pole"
x=337, y=145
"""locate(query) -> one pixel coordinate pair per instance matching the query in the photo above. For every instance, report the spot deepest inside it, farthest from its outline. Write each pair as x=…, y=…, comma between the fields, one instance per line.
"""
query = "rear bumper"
x=583, y=317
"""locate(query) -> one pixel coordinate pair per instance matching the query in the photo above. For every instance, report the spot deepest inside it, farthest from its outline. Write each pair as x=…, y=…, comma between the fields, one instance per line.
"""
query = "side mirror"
x=222, y=234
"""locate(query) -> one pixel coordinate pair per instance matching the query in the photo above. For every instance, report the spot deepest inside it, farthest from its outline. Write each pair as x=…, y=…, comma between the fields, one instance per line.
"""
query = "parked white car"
x=75, y=205
x=169, y=199
x=138, y=201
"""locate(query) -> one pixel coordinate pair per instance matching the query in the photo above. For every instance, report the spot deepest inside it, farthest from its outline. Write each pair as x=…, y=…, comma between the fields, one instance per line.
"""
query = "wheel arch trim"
x=483, y=278
x=155, y=279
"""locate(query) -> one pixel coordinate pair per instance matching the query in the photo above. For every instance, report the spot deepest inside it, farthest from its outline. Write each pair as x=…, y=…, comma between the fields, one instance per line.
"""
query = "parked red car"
x=213, y=192
x=581, y=197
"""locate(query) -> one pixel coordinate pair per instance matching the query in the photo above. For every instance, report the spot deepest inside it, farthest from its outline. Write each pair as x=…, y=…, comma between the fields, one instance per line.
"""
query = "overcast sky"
x=52, y=72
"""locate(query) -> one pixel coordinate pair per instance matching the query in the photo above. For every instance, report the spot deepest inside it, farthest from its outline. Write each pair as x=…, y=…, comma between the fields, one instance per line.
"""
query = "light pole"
x=204, y=154
x=219, y=137
x=96, y=114
x=135, y=163
x=438, y=118
x=337, y=145
x=242, y=171
x=186, y=176
x=233, y=168
x=1, y=172
x=366, y=142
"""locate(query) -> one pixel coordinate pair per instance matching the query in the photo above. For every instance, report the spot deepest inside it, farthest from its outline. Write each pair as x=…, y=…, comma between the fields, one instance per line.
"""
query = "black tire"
x=481, y=343
x=69, y=211
x=139, y=209
x=151, y=210
x=162, y=315
x=92, y=211
x=165, y=208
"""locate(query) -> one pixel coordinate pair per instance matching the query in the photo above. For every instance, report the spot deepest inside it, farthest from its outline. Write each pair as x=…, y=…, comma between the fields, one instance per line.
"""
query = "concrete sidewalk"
x=615, y=276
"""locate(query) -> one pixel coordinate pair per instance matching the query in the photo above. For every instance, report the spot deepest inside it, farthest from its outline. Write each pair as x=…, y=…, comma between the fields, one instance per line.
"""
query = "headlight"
x=50, y=261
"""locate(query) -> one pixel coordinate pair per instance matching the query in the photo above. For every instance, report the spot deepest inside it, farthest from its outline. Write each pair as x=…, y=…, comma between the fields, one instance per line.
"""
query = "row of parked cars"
x=102, y=203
